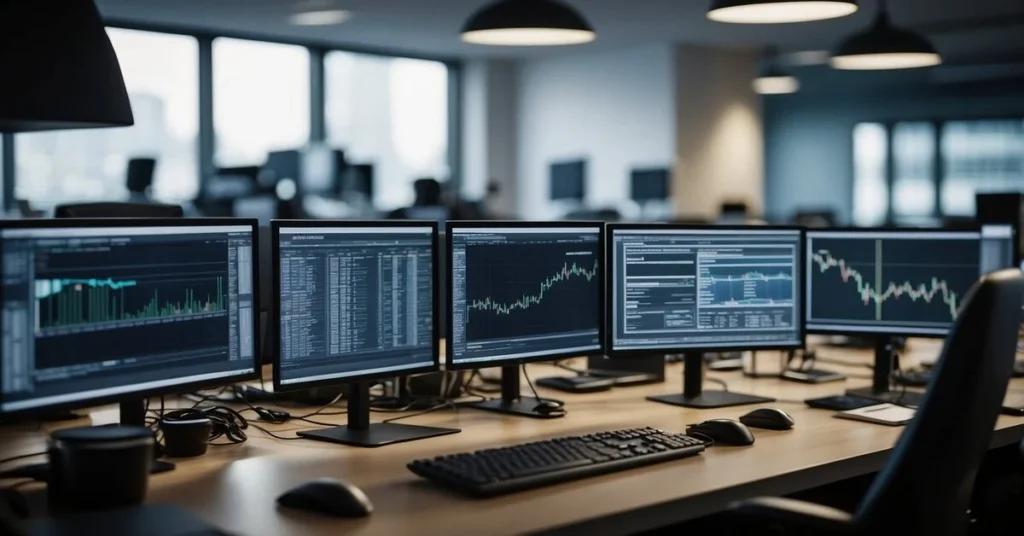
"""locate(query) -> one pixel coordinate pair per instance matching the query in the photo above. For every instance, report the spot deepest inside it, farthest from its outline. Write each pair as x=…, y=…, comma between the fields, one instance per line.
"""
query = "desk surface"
x=235, y=486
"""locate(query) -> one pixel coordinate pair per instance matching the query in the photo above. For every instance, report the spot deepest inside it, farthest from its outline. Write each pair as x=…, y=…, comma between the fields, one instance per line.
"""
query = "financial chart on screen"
x=354, y=301
x=522, y=292
x=97, y=311
x=892, y=281
x=705, y=288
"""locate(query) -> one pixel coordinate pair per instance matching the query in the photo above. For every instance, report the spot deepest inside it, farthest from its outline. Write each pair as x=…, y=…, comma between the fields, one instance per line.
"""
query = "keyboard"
x=492, y=472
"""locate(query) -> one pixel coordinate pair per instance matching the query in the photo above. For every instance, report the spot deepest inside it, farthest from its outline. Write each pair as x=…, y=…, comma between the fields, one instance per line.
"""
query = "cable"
x=444, y=404
x=22, y=457
x=273, y=435
x=563, y=366
x=842, y=362
x=716, y=381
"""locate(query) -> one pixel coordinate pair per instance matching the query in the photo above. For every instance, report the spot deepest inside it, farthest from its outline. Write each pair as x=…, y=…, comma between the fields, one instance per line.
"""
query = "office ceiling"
x=975, y=31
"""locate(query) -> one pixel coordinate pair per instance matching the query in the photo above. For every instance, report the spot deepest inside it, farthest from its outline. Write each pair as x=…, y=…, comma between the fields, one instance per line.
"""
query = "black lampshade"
x=58, y=69
x=778, y=11
x=884, y=46
x=527, y=23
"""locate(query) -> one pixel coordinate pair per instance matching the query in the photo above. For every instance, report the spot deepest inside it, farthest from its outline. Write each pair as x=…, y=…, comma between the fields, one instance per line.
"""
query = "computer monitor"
x=694, y=289
x=355, y=301
x=569, y=181
x=520, y=292
x=98, y=311
x=896, y=282
x=649, y=185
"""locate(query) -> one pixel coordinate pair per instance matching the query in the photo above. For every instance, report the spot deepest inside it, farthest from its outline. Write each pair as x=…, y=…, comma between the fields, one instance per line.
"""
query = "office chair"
x=119, y=210
x=140, y=175
x=926, y=484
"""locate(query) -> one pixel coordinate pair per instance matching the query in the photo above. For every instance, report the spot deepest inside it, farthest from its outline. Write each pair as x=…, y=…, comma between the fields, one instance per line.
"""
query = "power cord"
x=563, y=366
x=534, y=390
x=442, y=405
x=716, y=381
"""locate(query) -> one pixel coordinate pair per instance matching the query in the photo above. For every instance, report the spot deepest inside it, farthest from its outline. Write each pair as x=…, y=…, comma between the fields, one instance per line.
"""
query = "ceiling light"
x=527, y=23
x=776, y=85
x=772, y=80
x=321, y=17
x=778, y=11
x=883, y=46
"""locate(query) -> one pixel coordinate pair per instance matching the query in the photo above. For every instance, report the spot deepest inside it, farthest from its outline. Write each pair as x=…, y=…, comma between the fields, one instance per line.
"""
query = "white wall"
x=614, y=109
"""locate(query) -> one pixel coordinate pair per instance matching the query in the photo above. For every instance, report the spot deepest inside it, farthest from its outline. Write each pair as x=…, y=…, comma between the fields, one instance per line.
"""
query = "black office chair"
x=926, y=485
x=140, y=175
x=119, y=210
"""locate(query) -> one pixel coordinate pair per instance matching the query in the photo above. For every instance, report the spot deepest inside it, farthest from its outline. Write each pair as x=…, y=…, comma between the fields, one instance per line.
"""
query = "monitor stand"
x=511, y=402
x=133, y=413
x=360, y=432
x=694, y=395
x=881, y=379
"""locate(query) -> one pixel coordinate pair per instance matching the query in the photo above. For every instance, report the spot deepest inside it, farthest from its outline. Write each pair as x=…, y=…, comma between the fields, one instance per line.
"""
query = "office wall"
x=489, y=126
x=809, y=135
x=614, y=109
x=719, y=146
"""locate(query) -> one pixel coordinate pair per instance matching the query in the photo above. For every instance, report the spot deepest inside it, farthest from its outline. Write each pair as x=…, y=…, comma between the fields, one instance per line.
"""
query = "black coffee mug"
x=98, y=467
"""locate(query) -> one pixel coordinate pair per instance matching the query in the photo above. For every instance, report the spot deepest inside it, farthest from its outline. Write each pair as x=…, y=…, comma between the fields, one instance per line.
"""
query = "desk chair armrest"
x=794, y=515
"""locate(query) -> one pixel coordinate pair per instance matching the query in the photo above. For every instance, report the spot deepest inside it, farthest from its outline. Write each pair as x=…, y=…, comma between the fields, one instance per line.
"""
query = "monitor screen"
x=568, y=181
x=900, y=282
x=704, y=289
x=354, y=301
x=649, y=185
x=523, y=292
x=95, y=312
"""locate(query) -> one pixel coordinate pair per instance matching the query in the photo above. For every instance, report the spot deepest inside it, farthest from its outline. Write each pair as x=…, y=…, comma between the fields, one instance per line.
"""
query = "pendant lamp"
x=59, y=68
x=527, y=23
x=778, y=11
x=884, y=46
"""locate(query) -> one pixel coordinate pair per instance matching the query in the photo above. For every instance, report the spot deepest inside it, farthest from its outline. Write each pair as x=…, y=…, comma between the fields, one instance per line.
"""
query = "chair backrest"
x=925, y=488
x=119, y=210
x=140, y=174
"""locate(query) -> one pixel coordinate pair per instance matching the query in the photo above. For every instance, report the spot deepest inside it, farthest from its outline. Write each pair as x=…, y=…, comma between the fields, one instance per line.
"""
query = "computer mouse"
x=549, y=408
x=328, y=496
x=724, y=432
x=768, y=418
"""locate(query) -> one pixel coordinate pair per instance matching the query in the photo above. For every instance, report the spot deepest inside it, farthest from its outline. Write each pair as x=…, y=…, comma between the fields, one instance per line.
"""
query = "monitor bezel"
x=683, y=227
x=902, y=331
x=449, y=354
x=83, y=223
x=274, y=322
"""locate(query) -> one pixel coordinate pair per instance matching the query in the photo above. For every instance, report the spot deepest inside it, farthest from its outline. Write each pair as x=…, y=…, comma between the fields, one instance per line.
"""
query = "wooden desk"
x=235, y=487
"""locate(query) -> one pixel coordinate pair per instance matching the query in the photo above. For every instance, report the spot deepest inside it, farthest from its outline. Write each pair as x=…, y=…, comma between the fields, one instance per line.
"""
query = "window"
x=980, y=156
x=161, y=73
x=260, y=100
x=870, y=190
x=391, y=113
x=913, y=187
x=976, y=156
